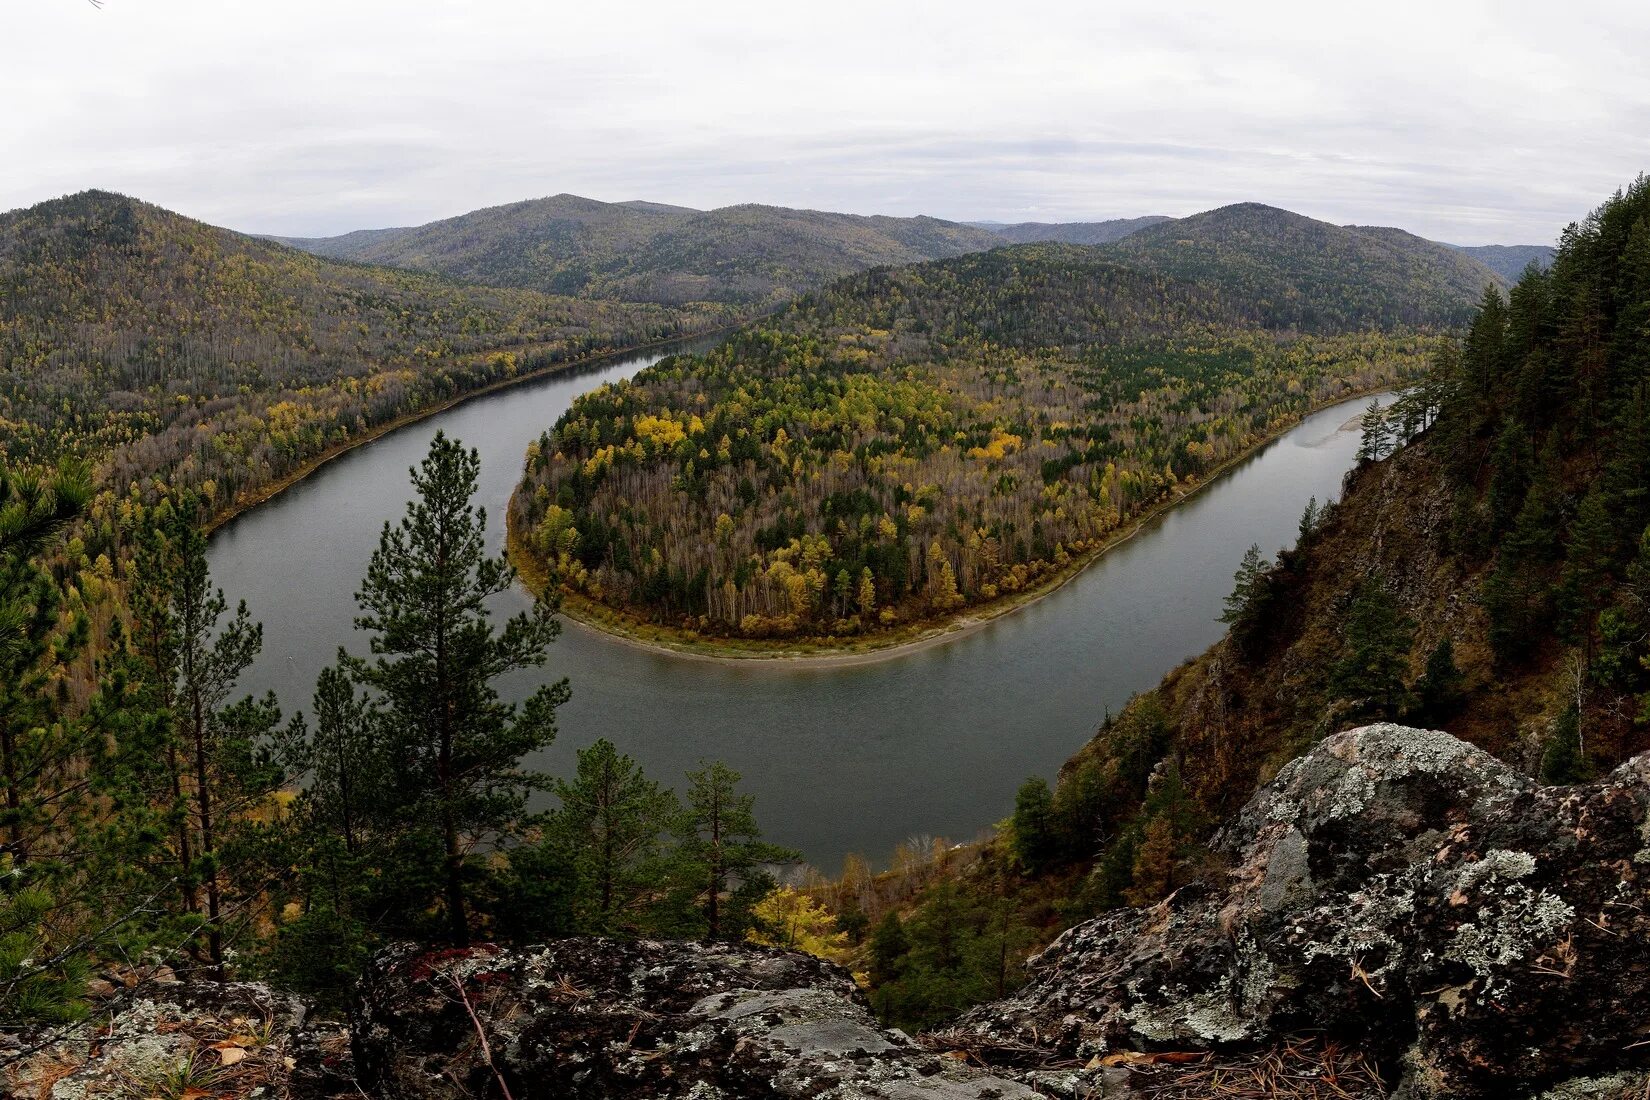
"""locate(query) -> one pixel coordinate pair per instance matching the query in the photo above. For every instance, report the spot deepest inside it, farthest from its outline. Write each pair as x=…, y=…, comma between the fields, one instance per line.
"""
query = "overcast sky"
x=1469, y=122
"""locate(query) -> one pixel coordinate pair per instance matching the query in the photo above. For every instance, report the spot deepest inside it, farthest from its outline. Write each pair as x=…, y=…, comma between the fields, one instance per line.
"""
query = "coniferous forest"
x=726, y=552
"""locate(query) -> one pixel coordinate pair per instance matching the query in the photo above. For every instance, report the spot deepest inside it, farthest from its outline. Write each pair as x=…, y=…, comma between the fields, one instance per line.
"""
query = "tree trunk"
x=458, y=923
x=14, y=802
x=203, y=799
x=186, y=886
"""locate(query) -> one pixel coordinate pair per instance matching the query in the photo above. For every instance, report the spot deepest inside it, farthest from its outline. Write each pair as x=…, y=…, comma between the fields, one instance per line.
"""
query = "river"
x=841, y=759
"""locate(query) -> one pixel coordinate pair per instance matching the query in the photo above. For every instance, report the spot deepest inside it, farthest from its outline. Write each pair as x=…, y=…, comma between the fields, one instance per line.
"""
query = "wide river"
x=841, y=759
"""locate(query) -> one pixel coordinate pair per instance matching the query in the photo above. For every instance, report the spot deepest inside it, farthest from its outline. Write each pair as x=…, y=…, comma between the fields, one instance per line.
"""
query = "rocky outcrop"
x=1397, y=888
x=590, y=1018
x=164, y=1038
x=1400, y=915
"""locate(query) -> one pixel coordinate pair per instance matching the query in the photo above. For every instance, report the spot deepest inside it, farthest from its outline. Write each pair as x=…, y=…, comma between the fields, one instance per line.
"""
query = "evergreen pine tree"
x=1376, y=439
x=612, y=824
x=1438, y=692
x=1248, y=585
x=1032, y=828
x=436, y=655
x=720, y=841
x=1564, y=761
x=889, y=948
x=1311, y=516
x=1589, y=555
x=1375, y=644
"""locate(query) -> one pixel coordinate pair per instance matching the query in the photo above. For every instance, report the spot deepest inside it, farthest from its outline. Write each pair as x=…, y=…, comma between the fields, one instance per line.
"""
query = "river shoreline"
x=859, y=753
x=275, y=488
x=616, y=626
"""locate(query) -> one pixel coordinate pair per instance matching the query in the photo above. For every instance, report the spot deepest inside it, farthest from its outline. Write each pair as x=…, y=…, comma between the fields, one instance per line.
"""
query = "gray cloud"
x=1468, y=121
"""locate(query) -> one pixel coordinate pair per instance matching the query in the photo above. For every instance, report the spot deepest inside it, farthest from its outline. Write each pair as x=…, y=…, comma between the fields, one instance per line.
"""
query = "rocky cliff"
x=1399, y=914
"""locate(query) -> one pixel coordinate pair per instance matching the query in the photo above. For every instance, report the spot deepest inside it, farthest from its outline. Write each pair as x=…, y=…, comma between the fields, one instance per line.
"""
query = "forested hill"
x=162, y=346
x=909, y=442
x=744, y=255
x=1313, y=275
x=1491, y=577
x=1114, y=229
x=1509, y=260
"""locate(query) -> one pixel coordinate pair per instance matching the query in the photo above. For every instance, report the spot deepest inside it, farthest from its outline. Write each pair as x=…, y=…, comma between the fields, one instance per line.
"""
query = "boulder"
x=595, y=1018
x=1394, y=888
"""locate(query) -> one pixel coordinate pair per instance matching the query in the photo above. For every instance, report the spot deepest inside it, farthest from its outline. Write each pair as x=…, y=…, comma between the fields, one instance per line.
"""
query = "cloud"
x=1471, y=122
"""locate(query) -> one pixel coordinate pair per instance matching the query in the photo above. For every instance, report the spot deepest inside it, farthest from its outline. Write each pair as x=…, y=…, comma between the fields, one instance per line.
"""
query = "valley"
x=848, y=495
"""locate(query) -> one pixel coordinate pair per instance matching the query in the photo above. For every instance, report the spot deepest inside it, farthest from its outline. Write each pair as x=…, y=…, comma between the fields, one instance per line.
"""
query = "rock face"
x=166, y=1038
x=1482, y=934
x=588, y=1018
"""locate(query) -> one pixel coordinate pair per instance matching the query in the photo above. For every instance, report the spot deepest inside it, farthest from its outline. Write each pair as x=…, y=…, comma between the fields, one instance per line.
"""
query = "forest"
x=911, y=442
x=1297, y=272
x=899, y=445
x=157, y=825
x=177, y=356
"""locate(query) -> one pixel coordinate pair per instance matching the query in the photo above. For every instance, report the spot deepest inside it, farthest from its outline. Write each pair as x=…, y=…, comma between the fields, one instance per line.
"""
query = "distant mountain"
x=1312, y=275
x=1509, y=260
x=1072, y=232
x=642, y=251
x=167, y=347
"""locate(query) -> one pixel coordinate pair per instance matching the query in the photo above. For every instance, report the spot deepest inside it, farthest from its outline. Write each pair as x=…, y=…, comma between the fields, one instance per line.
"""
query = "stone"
x=589, y=1018
x=229, y=1040
x=1394, y=888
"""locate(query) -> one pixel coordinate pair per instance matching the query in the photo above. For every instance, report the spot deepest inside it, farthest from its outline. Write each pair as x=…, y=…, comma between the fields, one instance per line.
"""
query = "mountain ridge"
x=756, y=255
x=749, y=254
x=131, y=334
x=1313, y=274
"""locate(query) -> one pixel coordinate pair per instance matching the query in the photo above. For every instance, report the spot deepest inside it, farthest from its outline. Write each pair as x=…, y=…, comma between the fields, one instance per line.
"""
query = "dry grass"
x=1305, y=1069
x=1302, y=1070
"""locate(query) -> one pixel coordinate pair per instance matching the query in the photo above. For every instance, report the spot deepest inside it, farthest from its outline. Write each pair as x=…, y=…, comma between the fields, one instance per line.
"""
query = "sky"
x=1468, y=122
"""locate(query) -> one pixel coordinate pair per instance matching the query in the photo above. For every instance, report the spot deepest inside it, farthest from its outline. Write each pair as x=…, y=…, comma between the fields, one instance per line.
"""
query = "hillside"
x=1509, y=260
x=1488, y=578
x=1114, y=229
x=1312, y=275
x=750, y=256
x=163, y=347
x=910, y=442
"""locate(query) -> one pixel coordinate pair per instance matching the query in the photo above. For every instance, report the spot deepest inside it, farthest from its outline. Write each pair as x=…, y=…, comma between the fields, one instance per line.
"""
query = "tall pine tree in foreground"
x=455, y=747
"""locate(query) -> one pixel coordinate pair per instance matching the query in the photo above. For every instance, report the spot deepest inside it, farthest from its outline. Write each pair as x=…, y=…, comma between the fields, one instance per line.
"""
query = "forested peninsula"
x=912, y=445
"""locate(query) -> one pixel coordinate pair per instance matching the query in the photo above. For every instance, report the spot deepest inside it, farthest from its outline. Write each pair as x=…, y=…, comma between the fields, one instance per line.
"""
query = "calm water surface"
x=841, y=759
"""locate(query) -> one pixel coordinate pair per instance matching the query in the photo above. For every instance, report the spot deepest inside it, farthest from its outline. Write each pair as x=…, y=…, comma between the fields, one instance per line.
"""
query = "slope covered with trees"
x=750, y=256
x=1113, y=229
x=1312, y=275
x=911, y=442
x=161, y=347
x=1487, y=572
x=1509, y=260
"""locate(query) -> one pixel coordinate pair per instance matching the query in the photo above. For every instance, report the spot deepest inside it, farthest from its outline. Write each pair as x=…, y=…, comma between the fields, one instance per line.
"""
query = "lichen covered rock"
x=170, y=1039
x=1396, y=887
x=593, y=1018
